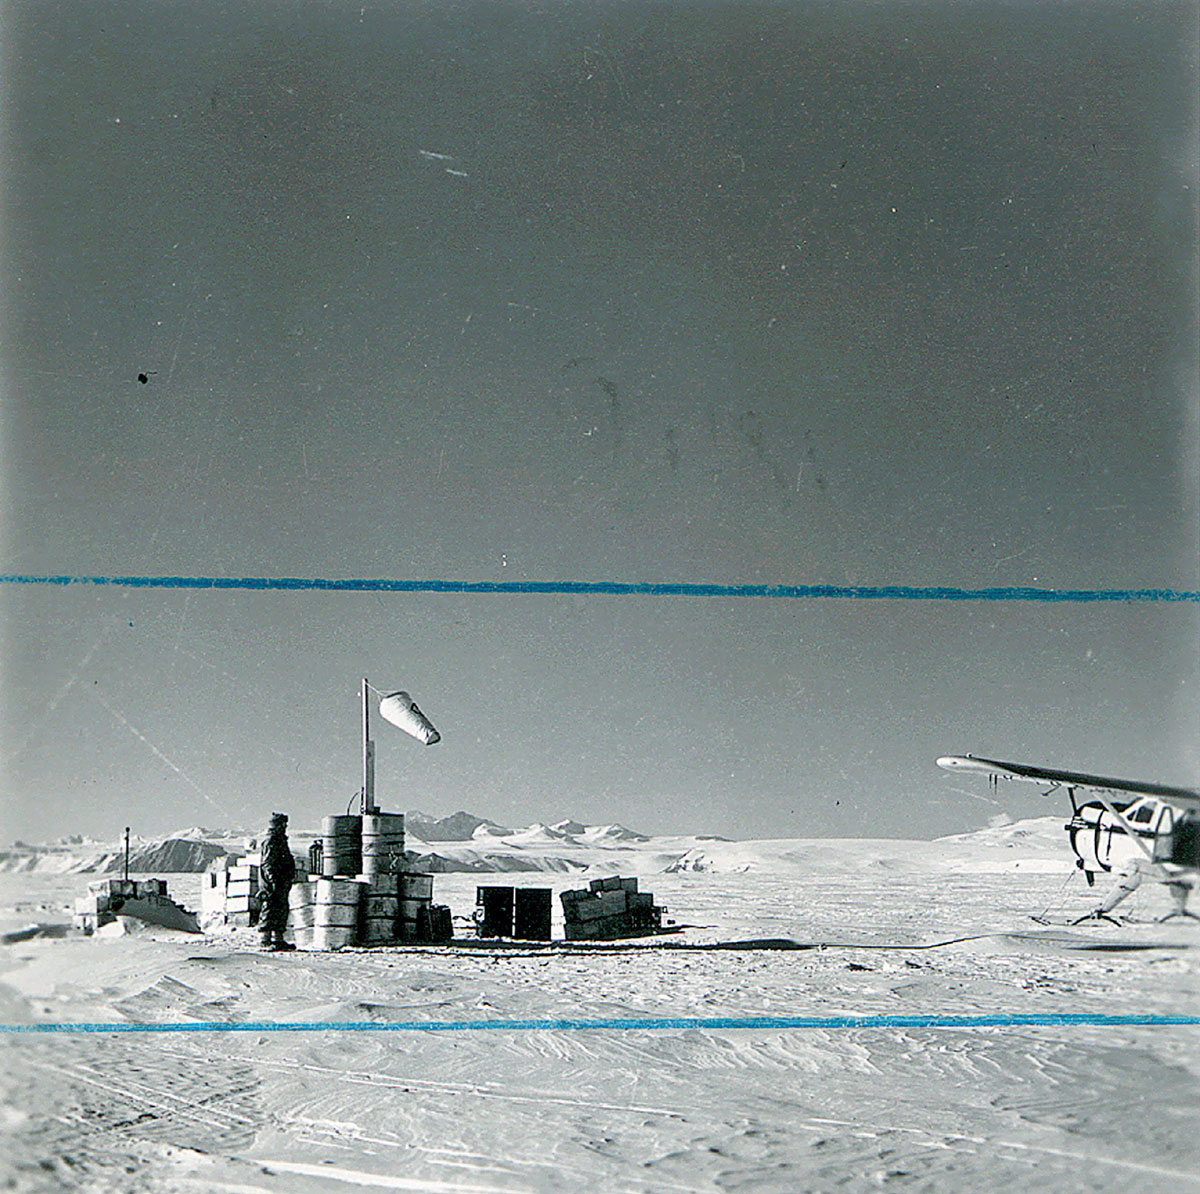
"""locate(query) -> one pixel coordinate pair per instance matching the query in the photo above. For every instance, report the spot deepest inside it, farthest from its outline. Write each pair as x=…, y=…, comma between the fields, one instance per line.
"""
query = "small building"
x=142, y=899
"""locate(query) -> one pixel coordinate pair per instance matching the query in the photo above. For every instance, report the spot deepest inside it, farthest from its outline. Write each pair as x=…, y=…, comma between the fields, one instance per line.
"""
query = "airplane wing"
x=1185, y=798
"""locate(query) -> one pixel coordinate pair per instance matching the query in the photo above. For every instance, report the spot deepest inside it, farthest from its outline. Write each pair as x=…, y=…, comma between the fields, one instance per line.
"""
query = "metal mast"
x=368, y=754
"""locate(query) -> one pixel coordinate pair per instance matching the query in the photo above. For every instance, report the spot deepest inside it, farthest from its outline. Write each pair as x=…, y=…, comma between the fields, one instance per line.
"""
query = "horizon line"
x=995, y=1020
x=609, y=588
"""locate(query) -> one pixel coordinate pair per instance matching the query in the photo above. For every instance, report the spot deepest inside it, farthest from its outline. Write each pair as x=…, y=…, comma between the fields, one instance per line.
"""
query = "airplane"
x=1142, y=830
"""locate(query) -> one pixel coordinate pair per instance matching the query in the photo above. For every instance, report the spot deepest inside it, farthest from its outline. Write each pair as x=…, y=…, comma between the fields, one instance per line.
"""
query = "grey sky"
x=738, y=293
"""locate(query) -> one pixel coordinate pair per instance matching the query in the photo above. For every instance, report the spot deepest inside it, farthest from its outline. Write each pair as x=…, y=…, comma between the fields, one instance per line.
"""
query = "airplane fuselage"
x=1104, y=842
x=1136, y=828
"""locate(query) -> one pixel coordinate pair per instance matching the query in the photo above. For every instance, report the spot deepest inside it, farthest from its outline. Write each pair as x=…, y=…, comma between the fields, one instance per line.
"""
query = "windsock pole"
x=368, y=753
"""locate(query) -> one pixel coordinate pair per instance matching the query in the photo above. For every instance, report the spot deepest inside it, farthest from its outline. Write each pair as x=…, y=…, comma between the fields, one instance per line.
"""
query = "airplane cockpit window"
x=1143, y=814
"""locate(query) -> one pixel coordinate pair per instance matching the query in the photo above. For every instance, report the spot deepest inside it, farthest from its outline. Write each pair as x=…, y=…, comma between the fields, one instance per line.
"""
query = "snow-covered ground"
x=898, y=928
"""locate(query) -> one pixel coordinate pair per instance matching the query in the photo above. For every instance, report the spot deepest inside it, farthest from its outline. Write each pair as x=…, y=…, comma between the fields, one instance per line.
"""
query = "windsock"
x=401, y=710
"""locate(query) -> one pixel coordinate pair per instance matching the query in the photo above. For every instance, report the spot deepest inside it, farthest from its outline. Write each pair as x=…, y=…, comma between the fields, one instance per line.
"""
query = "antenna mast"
x=368, y=753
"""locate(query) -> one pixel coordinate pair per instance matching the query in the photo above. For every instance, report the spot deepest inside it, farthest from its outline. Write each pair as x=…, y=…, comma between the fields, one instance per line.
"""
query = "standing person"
x=276, y=874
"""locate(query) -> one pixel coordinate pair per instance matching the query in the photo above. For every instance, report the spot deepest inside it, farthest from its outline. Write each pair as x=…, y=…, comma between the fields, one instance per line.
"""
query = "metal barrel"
x=341, y=846
x=336, y=912
x=413, y=886
x=379, y=932
x=329, y=937
x=301, y=913
x=380, y=909
x=413, y=922
x=300, y=905
x=415, y=894
x=411, y=909
x=382, y=843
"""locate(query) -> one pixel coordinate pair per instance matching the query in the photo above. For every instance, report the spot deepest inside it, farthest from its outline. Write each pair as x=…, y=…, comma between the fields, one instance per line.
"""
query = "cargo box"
x=494, y=911
x=583, y=911
x=606, y=928
x=114, y=887
x=629, y=884
x=532, y=913
x=614, y=901
x=605, y=903
x=616, y=926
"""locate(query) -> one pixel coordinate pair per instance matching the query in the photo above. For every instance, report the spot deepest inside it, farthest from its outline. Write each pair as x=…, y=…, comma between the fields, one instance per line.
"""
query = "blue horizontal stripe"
x=761, y=1023
x=609, y=588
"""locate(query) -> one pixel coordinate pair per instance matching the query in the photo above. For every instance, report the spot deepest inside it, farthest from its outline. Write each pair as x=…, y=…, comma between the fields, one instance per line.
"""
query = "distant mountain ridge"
x=465, y=827
x=169, y=854
x=457, y=827
x=465, y=842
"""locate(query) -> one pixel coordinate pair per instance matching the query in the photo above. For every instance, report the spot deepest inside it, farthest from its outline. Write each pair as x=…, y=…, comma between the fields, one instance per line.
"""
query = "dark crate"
x=494, y=911
x=531, y=921
x=440, y=923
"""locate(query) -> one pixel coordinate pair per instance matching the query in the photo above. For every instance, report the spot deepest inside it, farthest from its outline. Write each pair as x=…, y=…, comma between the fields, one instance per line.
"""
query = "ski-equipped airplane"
x=1143, y=831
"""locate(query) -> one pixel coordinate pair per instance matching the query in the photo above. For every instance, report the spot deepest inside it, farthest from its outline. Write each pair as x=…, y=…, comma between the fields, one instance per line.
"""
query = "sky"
x=737, y=293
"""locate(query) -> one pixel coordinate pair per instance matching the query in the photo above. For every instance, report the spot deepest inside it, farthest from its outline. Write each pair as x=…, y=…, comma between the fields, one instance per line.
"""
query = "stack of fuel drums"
x=382, y=843
x=415, y=894
x=364, y=895
x=336, y=913
x=380, y=909
x=382, y=858
x=300, y=913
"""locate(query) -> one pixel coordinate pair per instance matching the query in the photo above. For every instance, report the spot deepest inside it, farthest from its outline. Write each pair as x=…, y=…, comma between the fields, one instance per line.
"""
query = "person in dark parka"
x=275, y=877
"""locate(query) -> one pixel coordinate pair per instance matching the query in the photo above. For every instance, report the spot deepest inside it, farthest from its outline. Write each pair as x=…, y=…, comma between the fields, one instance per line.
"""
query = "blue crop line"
x=999, y=1020
x=608, y=588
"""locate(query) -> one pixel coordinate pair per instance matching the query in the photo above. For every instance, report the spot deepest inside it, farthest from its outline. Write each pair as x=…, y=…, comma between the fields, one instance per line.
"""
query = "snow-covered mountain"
x=167, y=855
x=480, y=845
x=457, y=827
